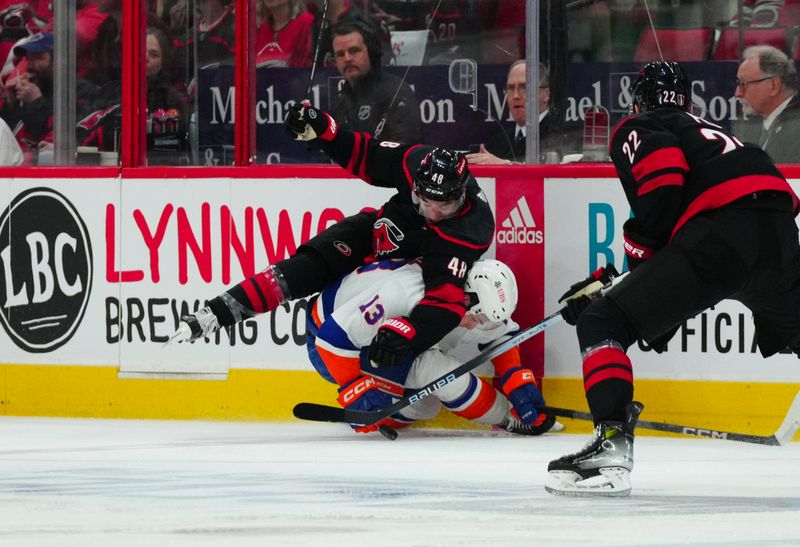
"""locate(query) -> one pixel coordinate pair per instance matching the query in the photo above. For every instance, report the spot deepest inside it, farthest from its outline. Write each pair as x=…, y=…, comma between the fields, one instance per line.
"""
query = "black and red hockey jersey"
x=448, y=248
x=674, y=165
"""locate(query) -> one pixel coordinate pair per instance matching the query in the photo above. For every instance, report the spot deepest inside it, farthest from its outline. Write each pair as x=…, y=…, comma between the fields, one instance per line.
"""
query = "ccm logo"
x=704, y=433
x=358, y=389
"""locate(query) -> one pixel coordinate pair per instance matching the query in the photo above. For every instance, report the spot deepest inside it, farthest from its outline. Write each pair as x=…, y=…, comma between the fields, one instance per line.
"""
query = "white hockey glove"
x=191, y=327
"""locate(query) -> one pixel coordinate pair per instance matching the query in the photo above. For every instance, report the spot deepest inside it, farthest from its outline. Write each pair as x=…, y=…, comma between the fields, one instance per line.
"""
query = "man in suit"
x=766, y=85
x=509, y=146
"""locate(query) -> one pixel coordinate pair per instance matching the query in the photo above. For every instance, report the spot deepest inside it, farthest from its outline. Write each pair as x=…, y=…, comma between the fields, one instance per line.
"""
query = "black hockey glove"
x=306, y=123
x=574, y=308
x=638, y=248
x=391, y=346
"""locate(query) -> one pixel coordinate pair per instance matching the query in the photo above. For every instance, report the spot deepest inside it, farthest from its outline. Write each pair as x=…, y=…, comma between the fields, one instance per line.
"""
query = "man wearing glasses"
x=508, y=146
x=766, y=85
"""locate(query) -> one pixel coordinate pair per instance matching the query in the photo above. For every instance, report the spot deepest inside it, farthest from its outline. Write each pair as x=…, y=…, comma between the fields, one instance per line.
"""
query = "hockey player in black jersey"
x=439, y=213
x=712, y=219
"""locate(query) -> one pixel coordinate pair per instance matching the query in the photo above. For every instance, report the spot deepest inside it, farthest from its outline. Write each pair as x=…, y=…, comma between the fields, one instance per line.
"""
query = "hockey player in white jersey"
x=343, y=320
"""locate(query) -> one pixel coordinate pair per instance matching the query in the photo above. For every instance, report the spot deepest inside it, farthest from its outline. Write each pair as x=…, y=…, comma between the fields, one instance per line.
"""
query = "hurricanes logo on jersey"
x=386, y=237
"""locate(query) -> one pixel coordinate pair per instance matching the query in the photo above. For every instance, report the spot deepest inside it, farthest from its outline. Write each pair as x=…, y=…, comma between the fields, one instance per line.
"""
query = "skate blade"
x=611, y=482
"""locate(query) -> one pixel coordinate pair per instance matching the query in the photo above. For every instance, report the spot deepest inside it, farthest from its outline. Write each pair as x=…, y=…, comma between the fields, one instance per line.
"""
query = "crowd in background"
x=184, y=36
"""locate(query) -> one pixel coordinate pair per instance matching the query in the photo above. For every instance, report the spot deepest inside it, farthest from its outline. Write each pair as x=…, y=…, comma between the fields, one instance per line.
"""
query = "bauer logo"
x=46, y=260
x=519, y=226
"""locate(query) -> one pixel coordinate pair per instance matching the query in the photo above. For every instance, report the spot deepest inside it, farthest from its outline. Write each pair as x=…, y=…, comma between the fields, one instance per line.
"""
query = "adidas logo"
x=520, y=227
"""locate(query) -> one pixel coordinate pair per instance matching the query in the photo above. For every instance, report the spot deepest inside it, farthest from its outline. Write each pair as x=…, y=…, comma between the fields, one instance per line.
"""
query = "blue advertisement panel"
x=448, y=116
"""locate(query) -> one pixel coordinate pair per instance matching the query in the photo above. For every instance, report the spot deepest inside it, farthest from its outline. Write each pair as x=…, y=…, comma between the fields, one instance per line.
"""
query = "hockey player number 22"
x=731, y=143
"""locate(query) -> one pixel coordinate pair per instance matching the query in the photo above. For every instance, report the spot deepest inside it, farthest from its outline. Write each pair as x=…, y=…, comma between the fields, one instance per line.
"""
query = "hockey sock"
x=480, y=402
x=607, y=380
x=305, y=273
x=259, y=293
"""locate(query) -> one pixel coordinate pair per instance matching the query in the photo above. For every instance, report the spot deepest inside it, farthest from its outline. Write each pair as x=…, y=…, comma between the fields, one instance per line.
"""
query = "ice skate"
x=603, y=466
x=545, y=424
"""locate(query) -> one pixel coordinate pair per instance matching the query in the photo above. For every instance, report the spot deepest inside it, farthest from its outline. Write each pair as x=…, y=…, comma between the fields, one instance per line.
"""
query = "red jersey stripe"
x=663, y=158
x=456, y=240
x=667, y=179
x=731, y=190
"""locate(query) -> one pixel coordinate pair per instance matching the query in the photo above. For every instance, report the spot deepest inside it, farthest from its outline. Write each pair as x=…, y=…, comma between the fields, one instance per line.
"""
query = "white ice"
x=76, y=482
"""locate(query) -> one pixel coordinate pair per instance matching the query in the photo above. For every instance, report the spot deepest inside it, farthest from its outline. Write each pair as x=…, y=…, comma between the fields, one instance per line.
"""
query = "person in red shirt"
x=284, y=34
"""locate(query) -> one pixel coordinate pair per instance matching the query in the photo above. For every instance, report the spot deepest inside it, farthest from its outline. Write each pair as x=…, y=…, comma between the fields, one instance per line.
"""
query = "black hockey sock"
x=607, y=400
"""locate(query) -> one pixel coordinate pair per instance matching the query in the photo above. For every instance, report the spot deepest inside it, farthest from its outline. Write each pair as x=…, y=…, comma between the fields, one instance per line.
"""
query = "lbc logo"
x=46, y=262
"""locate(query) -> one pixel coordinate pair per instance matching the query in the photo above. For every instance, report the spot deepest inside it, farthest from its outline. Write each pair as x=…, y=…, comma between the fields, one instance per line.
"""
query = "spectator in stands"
x=509, y=146
x=339, y=13
x=176, y=17
x=29, y=104
x=18, y=20
x=284, y=34
x=455, y=27
x=216, y=39
x=106, y=55
x=88, y=18
x=371, y=99
x=766, y=85
x=166, y=106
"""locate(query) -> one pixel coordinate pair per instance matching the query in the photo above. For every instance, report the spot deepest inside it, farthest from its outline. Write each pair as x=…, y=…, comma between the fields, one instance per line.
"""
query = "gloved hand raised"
x=305, y=123
x=391, y=346
x=362, y=393
x=519, y=385
x=577, y=298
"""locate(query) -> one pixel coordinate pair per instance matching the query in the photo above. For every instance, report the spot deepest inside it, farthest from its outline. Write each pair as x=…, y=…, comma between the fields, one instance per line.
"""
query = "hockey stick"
x=324, y=413
x=781, y=437
x=323, y=20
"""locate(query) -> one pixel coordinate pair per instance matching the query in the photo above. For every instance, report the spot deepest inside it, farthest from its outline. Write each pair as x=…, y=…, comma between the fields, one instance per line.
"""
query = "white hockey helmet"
x=495, y=289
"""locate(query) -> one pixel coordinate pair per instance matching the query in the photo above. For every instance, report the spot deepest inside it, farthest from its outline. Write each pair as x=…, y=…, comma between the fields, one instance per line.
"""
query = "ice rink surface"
x=76, y=482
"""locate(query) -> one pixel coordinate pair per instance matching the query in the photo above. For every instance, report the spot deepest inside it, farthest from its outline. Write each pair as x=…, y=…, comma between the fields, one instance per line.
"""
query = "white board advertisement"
x=98, y=271
x=584, y=220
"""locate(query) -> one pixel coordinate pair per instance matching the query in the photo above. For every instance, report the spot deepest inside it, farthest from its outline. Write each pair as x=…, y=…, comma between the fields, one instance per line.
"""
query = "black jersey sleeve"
x=652, y=168
x=379, y=163
x=448, y=252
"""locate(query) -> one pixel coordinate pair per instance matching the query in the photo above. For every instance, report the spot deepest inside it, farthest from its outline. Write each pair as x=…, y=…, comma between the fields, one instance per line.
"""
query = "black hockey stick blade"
x=784, y=434
x=323, y=413
x=318, y=413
